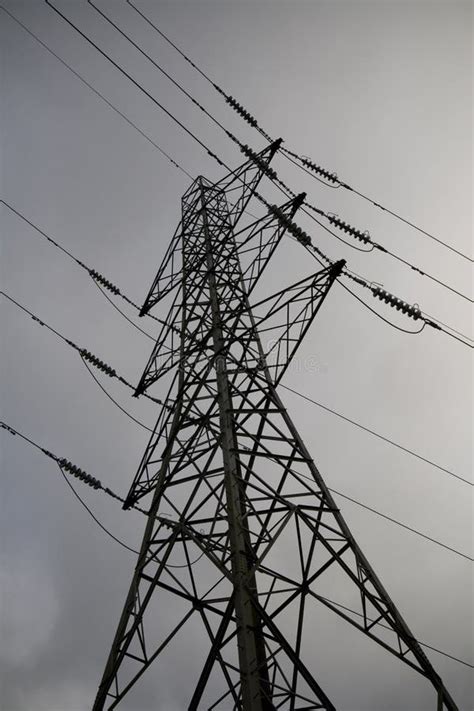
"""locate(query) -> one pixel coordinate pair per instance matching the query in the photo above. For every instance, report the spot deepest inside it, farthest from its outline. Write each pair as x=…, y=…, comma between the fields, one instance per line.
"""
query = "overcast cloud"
x=380, y=92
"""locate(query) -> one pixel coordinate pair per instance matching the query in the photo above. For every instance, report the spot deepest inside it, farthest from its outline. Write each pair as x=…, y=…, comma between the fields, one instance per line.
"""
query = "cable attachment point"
x=79, y=473
x=291, y=226
x=358, y=234
x=87, y=355
x=413, y=311
x=255, y=158
x=105, y=282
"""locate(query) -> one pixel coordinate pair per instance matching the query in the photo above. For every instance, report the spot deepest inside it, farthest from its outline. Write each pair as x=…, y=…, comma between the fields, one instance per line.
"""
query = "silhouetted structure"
x=243, y=536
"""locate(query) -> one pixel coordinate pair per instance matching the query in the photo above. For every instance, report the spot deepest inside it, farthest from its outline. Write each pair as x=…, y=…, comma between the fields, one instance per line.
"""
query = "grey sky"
x=379, y=92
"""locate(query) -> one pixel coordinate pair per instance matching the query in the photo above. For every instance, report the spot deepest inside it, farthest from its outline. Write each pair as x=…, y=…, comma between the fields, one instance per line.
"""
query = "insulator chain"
x=358, y=234
x=105, y=282
x=68, y=466
x=299, y=234
x=330, y=177
x=412, y=310
x=79, y=473
x=87, y=355
x=245, y=114
x=258, y=161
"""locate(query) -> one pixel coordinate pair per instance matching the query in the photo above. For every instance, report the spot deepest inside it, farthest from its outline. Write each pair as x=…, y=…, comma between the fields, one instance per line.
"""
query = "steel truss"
x=242, y=535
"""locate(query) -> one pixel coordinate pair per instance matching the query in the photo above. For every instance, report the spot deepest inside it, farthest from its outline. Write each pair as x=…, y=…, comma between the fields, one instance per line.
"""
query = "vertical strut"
x=251, y=648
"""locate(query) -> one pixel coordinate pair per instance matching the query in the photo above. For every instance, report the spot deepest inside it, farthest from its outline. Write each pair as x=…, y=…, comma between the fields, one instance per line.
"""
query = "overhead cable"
x=87, y=355
x=328, y=176
x=101, y=96
x=246, y=149
x=98, y=279
x=402, y=525
x=12, y=431
x=411, y=310
x=65, y=465
x=382, y=515
x=424, y=644
x=376, y=434
x=95, y=483
x=94, y=517
x=116, y=291
x=117, y=404
x=333, y=219
x=340, y=183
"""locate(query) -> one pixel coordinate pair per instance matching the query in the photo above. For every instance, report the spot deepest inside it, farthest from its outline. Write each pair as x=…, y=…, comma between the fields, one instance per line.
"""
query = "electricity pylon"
x=243, y=537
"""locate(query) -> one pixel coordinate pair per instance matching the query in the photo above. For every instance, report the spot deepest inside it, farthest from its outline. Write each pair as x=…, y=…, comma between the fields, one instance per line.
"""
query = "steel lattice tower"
x=242, y=532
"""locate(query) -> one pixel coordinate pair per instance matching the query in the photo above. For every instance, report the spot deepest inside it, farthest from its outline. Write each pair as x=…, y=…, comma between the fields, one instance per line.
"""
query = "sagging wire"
x=348, y=244
x=251, y=153
x=330, y=179
x=272, y=174
x=65, y=466
x=59, y=335
x=91, y=373
x=286, y=154
x=86, y=355
x=122, y=313
x=93, y=516
x=410, y=310
x=321, y=171
x=99, y=280
x=365, y=237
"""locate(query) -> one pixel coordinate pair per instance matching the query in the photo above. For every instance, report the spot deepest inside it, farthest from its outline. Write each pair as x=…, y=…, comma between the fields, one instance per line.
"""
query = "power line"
x=119, y=377
x=414, y=311
x=141, y=88
x=8, y=428
x=253, y=122
x=382, y=515
x=399, y=523
x=122, y=313
x=376, y=313
x=65, y=464
x=338, y=223
x=70, y=343
x=94, y=517
x=245, y=149
x=433, y=318
x=376, y=434
x=340, y=183
x=101, y=96
x=86, y=355
x=97, y=484
x=165, y=73
x=138, y=422
x=320, y=597
x=424, y=644
x=117, y=291
x=96, y=277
